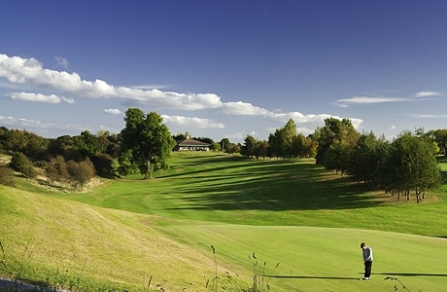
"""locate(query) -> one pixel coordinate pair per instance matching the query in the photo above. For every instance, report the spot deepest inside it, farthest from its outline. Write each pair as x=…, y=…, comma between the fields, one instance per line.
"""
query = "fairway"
x=130, y=232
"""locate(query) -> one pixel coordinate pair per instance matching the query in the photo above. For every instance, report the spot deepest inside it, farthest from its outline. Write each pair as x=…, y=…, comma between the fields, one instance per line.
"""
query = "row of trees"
x=284, y=143
x=406, y=164
x=145, y=144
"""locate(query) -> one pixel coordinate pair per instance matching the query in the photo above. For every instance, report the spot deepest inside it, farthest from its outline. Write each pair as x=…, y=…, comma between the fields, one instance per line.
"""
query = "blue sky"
x=223, y=68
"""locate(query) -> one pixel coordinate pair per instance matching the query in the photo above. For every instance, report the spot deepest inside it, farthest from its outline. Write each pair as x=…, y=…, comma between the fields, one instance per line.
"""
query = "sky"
x=223, y=69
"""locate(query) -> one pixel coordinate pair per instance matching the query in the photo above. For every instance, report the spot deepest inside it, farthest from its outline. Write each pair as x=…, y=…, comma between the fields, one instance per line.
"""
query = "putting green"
x=325, y=259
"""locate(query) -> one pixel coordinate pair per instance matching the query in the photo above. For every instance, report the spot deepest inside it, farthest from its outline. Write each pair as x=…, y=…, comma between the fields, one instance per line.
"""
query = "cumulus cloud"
x=149, y=86
x=192, y=122
x=237, y=135
x=171, y=100
x=112, y=111
x=243, y=108
x=37, y=97
x=30, y=71
x=61, y=61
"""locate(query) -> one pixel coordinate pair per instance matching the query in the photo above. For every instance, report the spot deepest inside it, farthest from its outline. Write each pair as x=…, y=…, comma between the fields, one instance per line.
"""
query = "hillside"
x=42, y=235
x=131, y=232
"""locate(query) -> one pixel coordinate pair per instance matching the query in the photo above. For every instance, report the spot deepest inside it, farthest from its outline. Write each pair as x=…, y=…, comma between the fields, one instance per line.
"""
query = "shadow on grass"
x=19, y=286
x=411, y=274
x=315, y=277
x=270, y=185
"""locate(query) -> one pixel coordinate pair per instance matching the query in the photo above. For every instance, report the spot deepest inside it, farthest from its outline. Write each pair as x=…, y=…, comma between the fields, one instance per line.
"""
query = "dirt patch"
x=67, y=186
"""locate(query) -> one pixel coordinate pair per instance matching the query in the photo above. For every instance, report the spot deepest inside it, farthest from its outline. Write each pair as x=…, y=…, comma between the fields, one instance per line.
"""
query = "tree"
x=149, y=141
x=440, y=137
x=216, y=147
x=281, y=143
x=223, y=143
x=19, y=162
x=104, y=165
x=88, y=144
x=412, y=167
x=288, y=135
x=248, y=149
x=365, y=159
x=232, y=148
x=334, y=130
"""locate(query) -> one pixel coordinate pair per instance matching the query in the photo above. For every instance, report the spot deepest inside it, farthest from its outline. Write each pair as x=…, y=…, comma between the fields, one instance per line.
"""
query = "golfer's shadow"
x=314, y=277
x=411, y=274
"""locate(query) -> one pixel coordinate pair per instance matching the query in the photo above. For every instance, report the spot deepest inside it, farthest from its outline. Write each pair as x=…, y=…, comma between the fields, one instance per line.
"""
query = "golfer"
x=367, y=259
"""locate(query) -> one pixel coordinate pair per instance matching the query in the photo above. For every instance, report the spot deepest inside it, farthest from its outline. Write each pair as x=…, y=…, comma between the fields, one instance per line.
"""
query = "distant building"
x=191, y=145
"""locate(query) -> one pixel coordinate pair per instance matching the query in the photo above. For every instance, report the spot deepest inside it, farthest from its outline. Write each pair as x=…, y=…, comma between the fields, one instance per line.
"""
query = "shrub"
x=20, y=163
x=104, y=165
x=57, y=169
x=6, y=176
x=82, y=171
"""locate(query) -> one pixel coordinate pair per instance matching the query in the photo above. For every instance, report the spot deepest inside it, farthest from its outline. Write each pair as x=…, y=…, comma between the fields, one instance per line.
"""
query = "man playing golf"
x=367, y=259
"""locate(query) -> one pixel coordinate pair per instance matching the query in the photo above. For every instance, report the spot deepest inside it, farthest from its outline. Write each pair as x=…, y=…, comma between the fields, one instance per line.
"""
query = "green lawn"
x=309, y=220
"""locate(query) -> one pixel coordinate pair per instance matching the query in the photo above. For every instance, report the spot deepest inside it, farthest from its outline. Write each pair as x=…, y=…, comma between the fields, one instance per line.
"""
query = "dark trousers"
x=368, y=265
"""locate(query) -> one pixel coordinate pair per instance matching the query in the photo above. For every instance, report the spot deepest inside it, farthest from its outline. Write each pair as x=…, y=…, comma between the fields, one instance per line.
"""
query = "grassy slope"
x=43, y=236
x=129, y=247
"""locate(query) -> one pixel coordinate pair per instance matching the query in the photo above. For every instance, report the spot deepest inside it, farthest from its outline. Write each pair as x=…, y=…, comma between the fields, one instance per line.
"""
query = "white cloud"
x=68, y=100
x=37, y=97
x=238, y=135
x=192, y=122
x=368, y=100
x=155, y=98
x=253, y=133
x=427, y=93
x=21, y=122
x=112, y=111
x=393, y=127
x=427, y=116
x=61, y=61
x=43, y=127
x=150, y=86
x=423, y=95
x=243, y=108
x=30, y=71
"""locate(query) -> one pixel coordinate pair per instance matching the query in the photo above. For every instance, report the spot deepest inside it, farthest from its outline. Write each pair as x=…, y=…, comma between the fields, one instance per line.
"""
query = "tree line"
x=143, y=146
x=403, y=166
x=406, y=164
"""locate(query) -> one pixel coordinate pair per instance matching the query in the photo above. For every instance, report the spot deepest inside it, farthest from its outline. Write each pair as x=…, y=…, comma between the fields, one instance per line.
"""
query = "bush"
x=82, y=171
x=20, y=163
x=104, y=165
x=57, y=169
x=6, y=176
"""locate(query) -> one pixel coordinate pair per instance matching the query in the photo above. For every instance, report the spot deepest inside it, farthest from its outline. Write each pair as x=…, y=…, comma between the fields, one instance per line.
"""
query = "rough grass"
x=129, y=230
x=43, y=236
